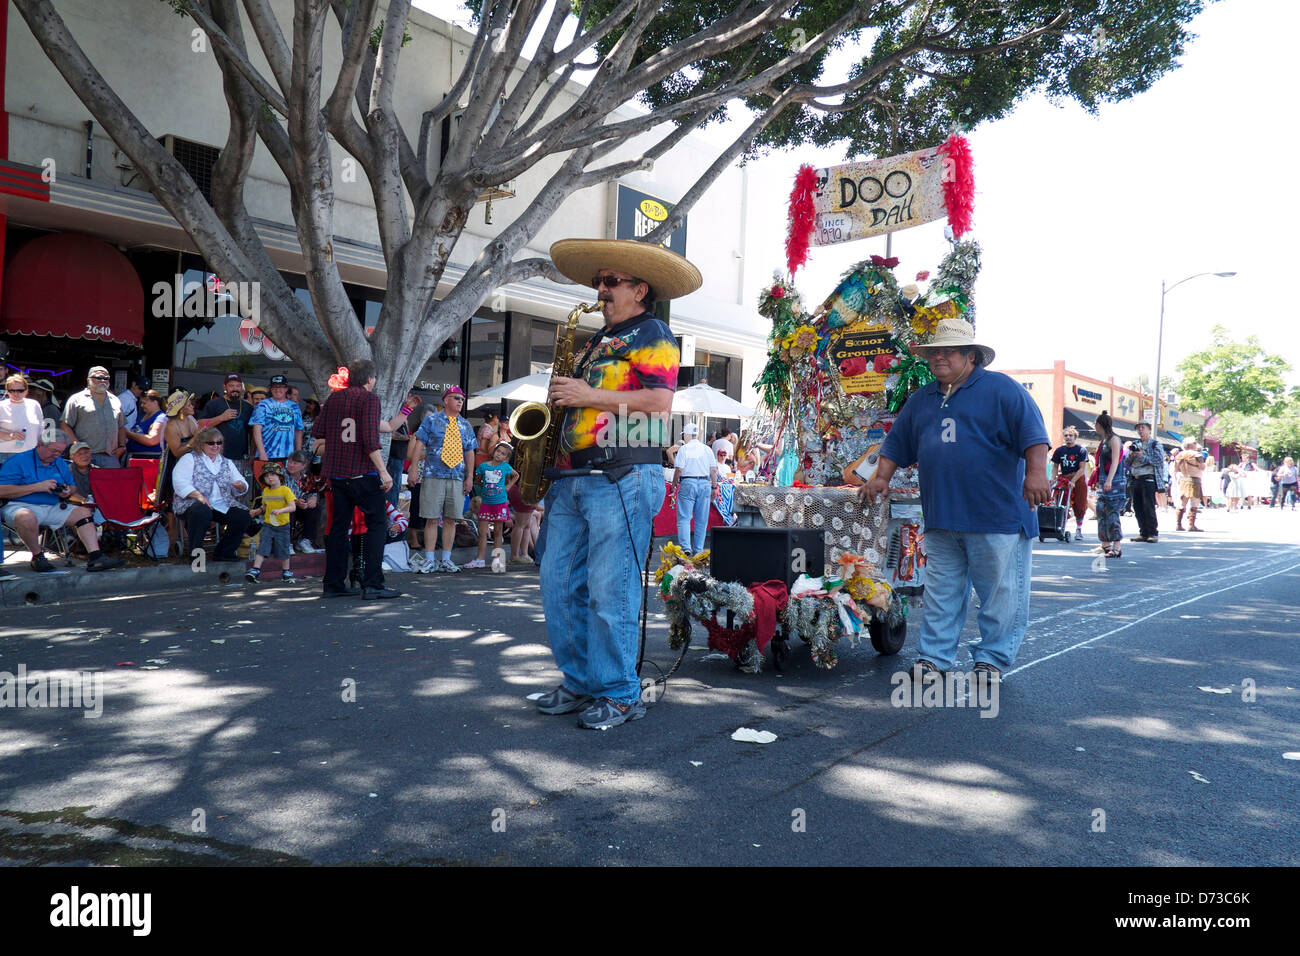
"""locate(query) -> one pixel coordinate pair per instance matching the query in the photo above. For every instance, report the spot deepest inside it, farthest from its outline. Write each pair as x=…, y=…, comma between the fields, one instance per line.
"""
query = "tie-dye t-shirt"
x=639, y=353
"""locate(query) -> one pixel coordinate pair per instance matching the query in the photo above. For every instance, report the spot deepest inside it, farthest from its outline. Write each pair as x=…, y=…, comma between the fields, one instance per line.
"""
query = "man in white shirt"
x=130, y=400
x=726, y=443
x=694, y=465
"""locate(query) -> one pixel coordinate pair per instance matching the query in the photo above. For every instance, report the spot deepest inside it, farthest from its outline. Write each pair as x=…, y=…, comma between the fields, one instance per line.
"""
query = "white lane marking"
x=1163, y=610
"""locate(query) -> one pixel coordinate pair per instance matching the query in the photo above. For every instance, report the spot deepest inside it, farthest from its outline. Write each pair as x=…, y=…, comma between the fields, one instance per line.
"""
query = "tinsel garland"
x=689, y=593
x=816, y=621
x=803, y=215
x=912, y=372
x=958, y=184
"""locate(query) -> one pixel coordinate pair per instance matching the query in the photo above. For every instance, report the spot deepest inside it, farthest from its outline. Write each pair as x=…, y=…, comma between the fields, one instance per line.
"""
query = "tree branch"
x=267, y=30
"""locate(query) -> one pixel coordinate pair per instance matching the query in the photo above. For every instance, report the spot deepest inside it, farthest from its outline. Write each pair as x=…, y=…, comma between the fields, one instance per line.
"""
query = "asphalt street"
x=1145, y=723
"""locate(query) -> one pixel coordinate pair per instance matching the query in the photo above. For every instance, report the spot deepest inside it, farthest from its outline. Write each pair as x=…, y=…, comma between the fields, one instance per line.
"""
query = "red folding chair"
x=117, y=493
x=150, y=467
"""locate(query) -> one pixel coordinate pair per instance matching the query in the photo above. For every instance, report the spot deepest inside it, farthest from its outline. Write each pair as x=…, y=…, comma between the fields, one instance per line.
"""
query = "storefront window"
x=487, y=353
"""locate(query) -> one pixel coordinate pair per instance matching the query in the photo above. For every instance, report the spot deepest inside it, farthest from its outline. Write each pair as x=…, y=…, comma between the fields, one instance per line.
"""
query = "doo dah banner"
x=857, y=200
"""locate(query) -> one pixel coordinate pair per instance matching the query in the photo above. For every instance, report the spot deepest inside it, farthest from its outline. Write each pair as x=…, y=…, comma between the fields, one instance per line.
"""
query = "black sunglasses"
x=15, y=389
x=610, y=282
x=99, y=378
x=214, y=443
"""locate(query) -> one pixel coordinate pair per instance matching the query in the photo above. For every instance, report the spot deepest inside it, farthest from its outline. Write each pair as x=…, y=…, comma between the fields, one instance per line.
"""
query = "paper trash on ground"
x=747, y=736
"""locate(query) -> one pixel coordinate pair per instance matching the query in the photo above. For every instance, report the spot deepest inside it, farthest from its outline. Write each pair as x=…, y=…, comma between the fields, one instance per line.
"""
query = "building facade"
x=1068, y=398
x=95, y=271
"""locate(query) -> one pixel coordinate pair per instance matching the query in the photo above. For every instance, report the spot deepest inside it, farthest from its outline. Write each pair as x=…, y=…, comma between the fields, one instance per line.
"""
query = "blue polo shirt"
x=26, y=469
x=970, y=453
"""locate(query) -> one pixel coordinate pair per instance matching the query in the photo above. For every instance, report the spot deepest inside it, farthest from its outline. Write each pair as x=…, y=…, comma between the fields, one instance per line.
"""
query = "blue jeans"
x=998, y=565
x=693, y=496
x=591, y=577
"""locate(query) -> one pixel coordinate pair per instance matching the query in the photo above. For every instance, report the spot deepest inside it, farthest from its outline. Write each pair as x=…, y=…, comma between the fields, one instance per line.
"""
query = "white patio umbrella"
x=707, y=400
x=530, y=388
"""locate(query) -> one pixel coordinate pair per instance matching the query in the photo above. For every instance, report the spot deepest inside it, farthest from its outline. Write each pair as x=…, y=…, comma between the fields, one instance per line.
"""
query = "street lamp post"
x=1160, y=341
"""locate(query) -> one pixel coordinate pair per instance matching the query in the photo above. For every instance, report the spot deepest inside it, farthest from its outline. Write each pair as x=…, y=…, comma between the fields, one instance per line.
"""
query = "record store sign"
x=640, y=213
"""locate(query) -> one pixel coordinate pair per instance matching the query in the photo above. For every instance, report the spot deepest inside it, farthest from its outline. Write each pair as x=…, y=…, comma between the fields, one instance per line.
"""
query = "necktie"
x=452, y=453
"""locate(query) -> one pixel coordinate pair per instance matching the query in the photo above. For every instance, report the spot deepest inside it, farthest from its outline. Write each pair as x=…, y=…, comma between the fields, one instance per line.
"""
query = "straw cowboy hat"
x=951, y=333
x=670, y=276
x=176, y=401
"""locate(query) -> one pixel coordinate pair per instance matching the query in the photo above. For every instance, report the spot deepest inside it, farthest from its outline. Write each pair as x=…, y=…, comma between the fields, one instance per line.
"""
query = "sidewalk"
x=75, y=583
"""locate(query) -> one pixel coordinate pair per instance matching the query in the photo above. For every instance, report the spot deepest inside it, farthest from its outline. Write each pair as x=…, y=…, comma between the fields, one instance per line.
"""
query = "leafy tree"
x=929, y=65
x=1230, y=375
x=1279, y=435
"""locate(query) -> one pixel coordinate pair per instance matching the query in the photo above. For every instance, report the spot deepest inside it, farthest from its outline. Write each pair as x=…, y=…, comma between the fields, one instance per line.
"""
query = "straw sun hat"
x=176, y=401
x=951, y=333
x=670, y=275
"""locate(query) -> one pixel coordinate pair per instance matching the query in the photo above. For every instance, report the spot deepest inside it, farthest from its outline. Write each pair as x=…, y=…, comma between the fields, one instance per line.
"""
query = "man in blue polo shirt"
x=37, y=484
x=981, y=450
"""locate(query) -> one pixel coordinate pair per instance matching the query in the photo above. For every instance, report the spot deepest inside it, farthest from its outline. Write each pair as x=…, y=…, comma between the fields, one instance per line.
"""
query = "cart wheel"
x=1066, y=539
x=885, y=639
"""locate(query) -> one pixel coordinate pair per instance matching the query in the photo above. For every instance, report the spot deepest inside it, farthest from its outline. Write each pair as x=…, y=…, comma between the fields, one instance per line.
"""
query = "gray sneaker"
x=563, y=701
x=606, y=713
x=449, y=567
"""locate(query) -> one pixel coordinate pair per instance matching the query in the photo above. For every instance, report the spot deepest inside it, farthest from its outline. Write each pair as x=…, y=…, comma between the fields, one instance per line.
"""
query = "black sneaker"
x=606, y=713
x=252, y=574
x=104, y=563
x=287, y=576
x=379, y=594
x=922, y=670
x=42, y=564
x=563, y=701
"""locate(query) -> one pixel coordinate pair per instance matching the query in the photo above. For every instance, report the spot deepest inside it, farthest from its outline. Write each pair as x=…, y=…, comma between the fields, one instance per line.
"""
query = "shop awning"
x=72, y=286
x=1081, y=422
x=1126, y=429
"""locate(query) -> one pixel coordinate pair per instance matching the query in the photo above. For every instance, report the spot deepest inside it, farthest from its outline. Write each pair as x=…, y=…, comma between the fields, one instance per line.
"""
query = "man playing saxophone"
x=598, y=526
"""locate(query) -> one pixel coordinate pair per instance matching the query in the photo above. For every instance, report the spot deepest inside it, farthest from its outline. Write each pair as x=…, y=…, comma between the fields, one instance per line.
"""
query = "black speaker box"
x=754, y=555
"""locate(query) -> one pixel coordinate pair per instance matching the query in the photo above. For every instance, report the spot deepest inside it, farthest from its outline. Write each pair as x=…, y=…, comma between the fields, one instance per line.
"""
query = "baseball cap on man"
x=233, y=377
x=77, y=446
x=141, y=382
x=45, y=384
x=278, y=380
x=691, y=429
x=98, y=368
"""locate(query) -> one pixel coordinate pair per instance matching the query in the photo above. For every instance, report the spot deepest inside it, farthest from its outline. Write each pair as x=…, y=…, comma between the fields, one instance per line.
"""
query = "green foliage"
x=1231, y=375
x=1103, y=51
x=1279, y=435
x=377, y=35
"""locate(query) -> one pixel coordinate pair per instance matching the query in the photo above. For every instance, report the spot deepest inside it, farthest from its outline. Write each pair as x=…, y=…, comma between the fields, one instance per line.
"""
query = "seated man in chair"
x=37, y=485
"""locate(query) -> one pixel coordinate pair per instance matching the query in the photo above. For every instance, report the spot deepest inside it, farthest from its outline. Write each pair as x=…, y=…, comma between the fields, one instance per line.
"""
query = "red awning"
x=75, y=287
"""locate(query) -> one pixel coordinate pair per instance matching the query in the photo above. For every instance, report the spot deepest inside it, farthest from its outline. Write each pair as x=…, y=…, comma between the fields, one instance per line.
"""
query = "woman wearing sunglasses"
x=20, y=419
x=207, y=488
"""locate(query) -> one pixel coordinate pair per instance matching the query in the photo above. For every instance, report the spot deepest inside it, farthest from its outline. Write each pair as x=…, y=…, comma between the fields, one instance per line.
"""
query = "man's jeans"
x=591, y=577
x=999, y=567
x=1144, y=505
x=693, y=496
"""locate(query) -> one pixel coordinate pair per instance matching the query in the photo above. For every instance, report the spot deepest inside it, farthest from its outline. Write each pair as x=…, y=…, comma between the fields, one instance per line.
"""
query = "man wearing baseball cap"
x=277, y=424
x=230, y=415
x=981, y=449
x=95, y=417
x=130, y=399
x=442, y=445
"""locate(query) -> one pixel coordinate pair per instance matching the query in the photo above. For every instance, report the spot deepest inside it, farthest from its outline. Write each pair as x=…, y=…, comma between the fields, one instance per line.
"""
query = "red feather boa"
x=958, y=184
x=802, y=217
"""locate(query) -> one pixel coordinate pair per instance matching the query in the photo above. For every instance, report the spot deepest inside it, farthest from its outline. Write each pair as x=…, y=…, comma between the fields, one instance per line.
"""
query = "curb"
x=81, y=585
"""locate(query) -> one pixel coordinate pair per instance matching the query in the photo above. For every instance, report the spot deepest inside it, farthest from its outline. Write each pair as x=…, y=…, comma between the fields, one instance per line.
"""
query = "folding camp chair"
x=150, y=467
x=117, y=493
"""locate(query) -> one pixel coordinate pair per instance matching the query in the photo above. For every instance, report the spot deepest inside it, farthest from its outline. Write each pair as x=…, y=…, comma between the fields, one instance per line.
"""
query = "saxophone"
x=536, y=425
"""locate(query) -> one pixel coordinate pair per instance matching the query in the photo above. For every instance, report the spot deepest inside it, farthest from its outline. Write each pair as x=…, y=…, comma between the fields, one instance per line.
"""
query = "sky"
x=1081, y=216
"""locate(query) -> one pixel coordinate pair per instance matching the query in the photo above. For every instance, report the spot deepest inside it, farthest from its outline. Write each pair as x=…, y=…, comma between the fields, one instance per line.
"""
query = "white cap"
x=691, y=429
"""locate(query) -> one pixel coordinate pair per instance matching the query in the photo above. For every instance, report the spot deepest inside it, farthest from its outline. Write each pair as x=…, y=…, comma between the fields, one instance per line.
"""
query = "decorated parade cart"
x=835, y=380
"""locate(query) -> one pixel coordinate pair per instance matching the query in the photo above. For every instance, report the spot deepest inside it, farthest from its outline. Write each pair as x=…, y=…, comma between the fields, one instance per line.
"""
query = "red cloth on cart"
x=770, y=599
x=666, y=519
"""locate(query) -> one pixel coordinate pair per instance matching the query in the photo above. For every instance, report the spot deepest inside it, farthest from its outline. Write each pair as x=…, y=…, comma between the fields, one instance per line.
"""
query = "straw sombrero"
x=670, y=275
x=951, y=333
